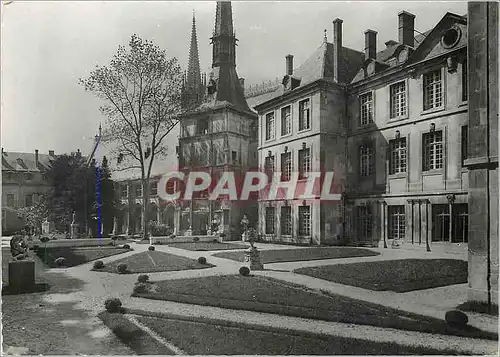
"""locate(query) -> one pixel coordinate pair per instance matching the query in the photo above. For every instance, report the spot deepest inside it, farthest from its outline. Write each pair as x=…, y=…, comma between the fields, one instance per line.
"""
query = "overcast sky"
x=47, y=46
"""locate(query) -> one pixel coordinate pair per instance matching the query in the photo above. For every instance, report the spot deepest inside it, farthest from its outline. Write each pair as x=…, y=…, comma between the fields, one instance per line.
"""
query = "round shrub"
x=44, y=239
x=172, y=236
x=215, y=241
x=222, y=235
x=244, y=271
x=114, y=237
x=113, y=305
x=143, y=278
x=140, y=288
x=98, y=264
x=61, y=261
x=202, y=260
x=196, y=239
x=126, y=246
x=151, y=248
x=456, y=318
x=121, y=268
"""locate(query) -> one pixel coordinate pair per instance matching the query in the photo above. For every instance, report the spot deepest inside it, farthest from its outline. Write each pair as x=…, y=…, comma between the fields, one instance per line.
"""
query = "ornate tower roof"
x=223, y=84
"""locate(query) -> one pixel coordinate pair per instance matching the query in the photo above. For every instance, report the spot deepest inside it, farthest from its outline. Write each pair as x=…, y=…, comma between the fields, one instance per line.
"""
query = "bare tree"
x=141, y=89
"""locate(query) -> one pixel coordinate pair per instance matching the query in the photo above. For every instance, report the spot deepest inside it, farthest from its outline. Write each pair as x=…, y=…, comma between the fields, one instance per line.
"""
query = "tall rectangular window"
x=304, y=220
x=366, y=109
x=270, y=126
x=397, y=156
x=398, y=99
x=269, y=166
x=286, y=166
x=304, y=115
x=465, y=93
x=396, y=222
x=433, y=90
x=270, y=214
x=28, y=201
x=10, y=200
x=153, y=188
x=202, y=126
x=465, y=151
x=138, y=190
x=364, y=216
x=286, y=120
x=124, y=191
x=286, y=220
x=433, y=151
x=365, y=160
x=304, y=162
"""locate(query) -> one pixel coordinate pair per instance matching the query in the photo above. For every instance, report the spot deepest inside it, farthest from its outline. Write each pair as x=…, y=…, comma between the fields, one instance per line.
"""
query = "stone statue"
x=74, y=218
x=19, y=247
x=244, y=223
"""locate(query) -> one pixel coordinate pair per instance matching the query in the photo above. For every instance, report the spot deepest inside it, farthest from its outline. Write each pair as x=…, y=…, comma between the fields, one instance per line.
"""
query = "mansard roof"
x=319, y=66
x=423, y=44
x=25, y=162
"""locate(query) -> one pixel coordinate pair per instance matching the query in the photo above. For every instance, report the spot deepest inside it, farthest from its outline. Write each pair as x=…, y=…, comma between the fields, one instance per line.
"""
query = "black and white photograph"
x=249, y=178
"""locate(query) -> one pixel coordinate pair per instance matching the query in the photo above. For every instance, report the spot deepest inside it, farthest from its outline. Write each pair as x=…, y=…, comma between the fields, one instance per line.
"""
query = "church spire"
x=193, y=86
x=223, y=39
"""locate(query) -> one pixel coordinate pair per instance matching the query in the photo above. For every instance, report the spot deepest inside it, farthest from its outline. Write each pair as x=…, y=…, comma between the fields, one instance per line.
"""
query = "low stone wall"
x=183, y=239
x=85, y=242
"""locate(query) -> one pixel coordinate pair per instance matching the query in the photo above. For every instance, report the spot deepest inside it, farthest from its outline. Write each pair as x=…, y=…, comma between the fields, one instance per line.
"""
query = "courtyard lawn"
x=393, y=275
x=132, y=336
x=262, y=294
x=207, y=337
x=76, y=256
x=46, y=326
x=154, y=261
x=293, y=255
x=206, y=246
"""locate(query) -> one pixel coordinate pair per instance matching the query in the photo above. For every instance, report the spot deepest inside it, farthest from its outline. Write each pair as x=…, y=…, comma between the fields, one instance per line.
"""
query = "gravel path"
x=100, y=285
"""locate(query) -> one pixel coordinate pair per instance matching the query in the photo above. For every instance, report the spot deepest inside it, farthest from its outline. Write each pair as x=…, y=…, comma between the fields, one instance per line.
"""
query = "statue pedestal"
x=22, y=276
x=252, y=259
x=189, y=232
x=73, y=230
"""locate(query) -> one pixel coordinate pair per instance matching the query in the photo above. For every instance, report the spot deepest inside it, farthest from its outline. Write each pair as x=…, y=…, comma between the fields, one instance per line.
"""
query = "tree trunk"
x=145, y=209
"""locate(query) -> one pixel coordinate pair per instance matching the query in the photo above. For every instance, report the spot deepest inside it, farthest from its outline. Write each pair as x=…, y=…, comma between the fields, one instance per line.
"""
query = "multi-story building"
x=407, y=137
x=23, y=182
x=302, y=129
x=391, y=124
x=217, y=135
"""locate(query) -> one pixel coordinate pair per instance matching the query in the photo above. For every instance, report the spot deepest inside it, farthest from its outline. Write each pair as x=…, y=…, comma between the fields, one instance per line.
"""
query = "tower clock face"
x=371, y=68
x=403, y=55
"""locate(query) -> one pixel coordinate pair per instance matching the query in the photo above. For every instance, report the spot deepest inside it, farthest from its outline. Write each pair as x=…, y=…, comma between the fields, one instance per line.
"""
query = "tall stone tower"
x=219, y=134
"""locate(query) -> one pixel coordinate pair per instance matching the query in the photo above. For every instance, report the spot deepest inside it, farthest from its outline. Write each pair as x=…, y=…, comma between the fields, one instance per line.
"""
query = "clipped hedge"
x=244, y=271
x=98, y=264
x=113, y=305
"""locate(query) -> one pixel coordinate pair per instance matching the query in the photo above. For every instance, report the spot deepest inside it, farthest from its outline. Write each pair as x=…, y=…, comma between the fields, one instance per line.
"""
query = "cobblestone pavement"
x=101, y=285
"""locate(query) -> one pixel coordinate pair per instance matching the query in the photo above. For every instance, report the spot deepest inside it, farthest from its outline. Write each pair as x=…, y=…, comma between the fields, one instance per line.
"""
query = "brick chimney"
x=289, y=65
x=51, y=152
x=406, y=28
x=36, y=158
x=370, y=44
x=337, y=48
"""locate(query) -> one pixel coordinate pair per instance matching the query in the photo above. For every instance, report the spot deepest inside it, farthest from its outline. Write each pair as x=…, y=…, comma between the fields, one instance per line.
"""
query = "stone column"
x=115, y=226
x=482, y=144
x=127, y=219
x=177, y=220
x=383, y=222
x=427, y=225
